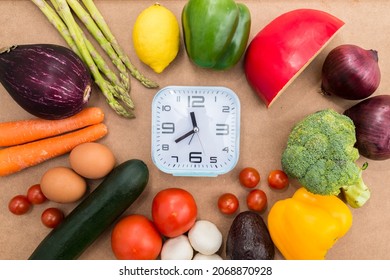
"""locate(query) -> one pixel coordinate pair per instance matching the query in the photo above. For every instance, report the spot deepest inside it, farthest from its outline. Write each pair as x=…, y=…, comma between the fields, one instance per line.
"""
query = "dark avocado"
x=249, y=238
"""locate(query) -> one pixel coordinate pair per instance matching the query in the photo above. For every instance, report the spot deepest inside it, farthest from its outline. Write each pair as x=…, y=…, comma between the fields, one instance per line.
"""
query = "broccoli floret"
x=320, y=154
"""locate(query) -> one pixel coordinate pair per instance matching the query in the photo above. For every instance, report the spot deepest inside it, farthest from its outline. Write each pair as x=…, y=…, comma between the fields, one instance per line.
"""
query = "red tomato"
x=228, y=203
x=134, y=237
x=174, y=211
x=52, y=217
x=277, y=179
x=35, y=194
x=249, y=177
x=256, y=200
x=19, y=205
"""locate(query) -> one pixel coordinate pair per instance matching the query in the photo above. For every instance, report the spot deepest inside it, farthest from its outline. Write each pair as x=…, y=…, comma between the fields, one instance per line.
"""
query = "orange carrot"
x=23, y=131
x=16, y=158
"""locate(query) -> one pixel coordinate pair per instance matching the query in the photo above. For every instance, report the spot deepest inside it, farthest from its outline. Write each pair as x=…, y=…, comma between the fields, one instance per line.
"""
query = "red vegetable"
x=372, y=121
x=283, y=48
x=19, y=205
x=135, y=237
x=249, y=177
x=228, y=203
x=52, y=217
x=256, y=200
x=35, y=194
x=278, y=179
x=174, y=211
x=350, y=72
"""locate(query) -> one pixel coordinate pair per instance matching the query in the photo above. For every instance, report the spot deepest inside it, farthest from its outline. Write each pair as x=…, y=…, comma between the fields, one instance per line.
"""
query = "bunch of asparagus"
x=115, y=89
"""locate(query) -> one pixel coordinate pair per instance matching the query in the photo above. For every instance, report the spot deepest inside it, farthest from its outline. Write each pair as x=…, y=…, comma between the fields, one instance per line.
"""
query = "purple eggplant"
x=48, y=81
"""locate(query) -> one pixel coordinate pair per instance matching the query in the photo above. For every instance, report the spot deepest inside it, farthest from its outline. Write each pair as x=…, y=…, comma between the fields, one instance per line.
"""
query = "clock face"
x=195, y=130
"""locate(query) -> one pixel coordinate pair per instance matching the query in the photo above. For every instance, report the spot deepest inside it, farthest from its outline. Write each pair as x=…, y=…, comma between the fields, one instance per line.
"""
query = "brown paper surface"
x=263, y=131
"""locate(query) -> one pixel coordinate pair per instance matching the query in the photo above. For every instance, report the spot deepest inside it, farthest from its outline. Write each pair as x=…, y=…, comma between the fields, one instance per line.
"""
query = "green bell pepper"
x=216, y=32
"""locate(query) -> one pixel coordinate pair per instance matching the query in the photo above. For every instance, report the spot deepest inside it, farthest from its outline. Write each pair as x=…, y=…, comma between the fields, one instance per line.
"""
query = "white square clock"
x=195, y=130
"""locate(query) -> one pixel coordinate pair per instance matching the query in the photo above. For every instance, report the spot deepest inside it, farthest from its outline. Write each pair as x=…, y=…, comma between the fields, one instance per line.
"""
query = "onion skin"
x=372, y=121
x=350, y=72
x=48, y=81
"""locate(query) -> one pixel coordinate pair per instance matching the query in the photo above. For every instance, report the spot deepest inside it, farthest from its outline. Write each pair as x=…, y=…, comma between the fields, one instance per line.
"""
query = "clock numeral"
x=165, y=147
x=195, y=101
x=166, y=108
x=195, y=157
x=222, y=129
x=225, y=109
x=213, y=159
x=168, y=128
x=226, y=149
x=175, y=157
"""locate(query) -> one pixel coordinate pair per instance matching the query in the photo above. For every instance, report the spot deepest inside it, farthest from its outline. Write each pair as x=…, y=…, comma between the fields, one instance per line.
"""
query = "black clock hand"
x=193, y=120
x=185, y=136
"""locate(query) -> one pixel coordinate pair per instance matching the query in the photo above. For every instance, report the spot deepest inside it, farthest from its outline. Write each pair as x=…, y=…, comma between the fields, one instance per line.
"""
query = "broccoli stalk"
x=320, y=154
x=357, y=194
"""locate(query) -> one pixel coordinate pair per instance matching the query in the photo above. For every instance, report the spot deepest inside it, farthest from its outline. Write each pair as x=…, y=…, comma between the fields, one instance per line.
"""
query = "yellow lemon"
x=156, y=37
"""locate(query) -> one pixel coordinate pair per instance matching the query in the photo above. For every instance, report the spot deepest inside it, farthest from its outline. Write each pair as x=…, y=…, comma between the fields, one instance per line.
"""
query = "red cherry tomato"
x=228, y=203
x=256, y=200
x=52, y=217
x=19, y=205
x=35, y=194
x=277, y=179
x=249, y=177
x=134, y=237
x=174, y=211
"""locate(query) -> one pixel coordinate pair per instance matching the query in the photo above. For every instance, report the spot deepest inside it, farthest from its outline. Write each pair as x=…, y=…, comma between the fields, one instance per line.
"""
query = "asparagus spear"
x=56, y=21
x=108, y=91
x=97, y=16
x=121, y=92
x=97, y=34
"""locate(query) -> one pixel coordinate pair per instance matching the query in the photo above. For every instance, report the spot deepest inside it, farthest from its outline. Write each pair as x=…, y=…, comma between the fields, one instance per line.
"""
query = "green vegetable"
x=116, y=90
x=122, y=186
x=320, y=153
x=216, y=32
x=97, y=16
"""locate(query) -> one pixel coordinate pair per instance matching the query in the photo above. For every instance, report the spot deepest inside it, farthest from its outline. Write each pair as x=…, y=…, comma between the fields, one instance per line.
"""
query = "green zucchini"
x=122, y=186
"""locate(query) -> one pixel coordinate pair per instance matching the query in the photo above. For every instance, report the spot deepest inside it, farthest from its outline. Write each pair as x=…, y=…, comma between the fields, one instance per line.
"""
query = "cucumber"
x=122, y=186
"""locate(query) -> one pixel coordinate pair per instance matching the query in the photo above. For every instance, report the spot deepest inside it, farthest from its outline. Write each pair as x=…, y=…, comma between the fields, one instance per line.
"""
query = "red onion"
x=350, y=72
x=372, y=121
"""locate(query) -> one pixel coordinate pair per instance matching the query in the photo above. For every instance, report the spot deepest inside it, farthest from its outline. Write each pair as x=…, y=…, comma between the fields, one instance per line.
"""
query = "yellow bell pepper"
x=307, y=225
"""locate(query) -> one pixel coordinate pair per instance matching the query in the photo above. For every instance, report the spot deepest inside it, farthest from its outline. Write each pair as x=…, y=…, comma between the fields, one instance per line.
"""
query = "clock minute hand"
x=189, y=133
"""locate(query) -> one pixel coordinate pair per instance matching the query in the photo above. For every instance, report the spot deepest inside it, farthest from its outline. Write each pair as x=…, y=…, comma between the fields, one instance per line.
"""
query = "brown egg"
x=63, y=185
x=92, y=160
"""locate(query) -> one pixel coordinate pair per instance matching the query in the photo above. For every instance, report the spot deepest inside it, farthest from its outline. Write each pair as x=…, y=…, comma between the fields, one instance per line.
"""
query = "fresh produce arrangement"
x=94, y=182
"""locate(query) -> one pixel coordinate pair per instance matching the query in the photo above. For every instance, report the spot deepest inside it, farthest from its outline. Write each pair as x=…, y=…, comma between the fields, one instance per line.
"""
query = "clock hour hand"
x=193, y=120
x=189, y=133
